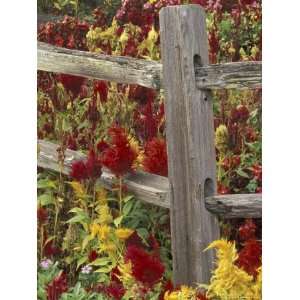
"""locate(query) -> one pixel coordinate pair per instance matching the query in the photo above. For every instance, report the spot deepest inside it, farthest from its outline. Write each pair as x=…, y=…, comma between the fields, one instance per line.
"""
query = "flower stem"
x=120, y=195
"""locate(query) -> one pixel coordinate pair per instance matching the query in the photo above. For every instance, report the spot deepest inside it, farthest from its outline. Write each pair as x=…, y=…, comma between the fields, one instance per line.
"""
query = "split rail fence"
x=187, y=80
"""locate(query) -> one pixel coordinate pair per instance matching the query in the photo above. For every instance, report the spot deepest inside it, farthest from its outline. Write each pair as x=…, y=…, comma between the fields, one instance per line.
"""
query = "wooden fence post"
x=190, y=142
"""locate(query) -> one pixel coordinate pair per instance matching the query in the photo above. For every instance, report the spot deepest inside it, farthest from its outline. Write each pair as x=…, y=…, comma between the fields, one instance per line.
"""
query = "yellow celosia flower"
x=108, y=247
x=78, y=189
x=229, y=281
x=221, y=138
x=103, y=232
x=171, y=296
x=185, y=293
x=152, y=35
x=105, y=216
x=123, y=233
x=102, y=196
x=125, y=272
x=134, y=144
x=94, y=228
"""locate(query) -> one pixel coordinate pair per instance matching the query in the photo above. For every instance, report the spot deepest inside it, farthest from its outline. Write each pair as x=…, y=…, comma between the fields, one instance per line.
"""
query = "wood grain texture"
x=237, y=75
x=146, y=187
x=146, y=73
x=235, y=206
x=104, y=67
x=154, y=189
x=190, y=142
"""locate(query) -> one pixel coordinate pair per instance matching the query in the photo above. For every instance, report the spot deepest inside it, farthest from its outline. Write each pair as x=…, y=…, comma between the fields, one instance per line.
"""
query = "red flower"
x=222, y=190
x=93, y=255
x=42, y=215
x=51, y=250
x=134, y=240
x=93, y=165
x=78, y=170
x=71, y=83
x=58, y=286
x=247, y=230
x=250, y=257
x=115, y=290
x=101, y=88
x=145, y=268
x=240, y=113
x=168, y=286
x=156, y=159
x=101, y=146
x=257, y=172
x=119, y=156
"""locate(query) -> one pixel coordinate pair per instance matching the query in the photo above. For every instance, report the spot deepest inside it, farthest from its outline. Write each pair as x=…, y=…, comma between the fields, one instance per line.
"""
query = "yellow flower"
x=221, y=138
x=104, y=214
x=94, y=228
x=78, y=189
x=125, y=271
x=109, y=248
x=171, y=296
x=102, y=196
x=103, y=232
x=228, y=281
x=123, y=233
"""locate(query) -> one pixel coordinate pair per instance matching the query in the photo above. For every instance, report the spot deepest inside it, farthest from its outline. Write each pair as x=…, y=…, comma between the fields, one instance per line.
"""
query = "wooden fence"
x=187, y=79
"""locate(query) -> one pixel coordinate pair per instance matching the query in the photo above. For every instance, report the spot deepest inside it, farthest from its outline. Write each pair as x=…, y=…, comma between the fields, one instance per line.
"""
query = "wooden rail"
x=154, y=189
x=143, y=72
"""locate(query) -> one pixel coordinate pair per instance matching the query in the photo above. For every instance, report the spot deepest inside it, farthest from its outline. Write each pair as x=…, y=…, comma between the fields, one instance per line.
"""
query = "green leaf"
x=127, y=198
x=81, y=261
x=118, y=221
x=46, y=199
x=242, y=173
x=102, y=261
x=128, y=207
x=104, y=269
x=85, y=242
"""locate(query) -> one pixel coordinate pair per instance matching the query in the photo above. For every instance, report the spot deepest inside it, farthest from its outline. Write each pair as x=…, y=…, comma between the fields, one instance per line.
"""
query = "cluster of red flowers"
x=58, y=286
x=119, y=156
x=68, y=33
x=155, y=157
x=91, y=168
x=42, y=215
x=146, y=268
x=250, y=255
x=72, y=84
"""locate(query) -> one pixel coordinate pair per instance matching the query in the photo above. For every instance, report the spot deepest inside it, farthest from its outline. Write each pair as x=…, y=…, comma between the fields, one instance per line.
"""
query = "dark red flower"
x=51, y=250
x=72, y=83
x=115, y=290
x=250, y=257
x=101, y=146
x=93, y=255
x=222, y=190
x=134, y=240
x=58, y=286
x=257, y=172
x=155, y=157
x=79, y=170
x=247, y=230
x=93, y=165
x=168, y=286
x=240, y=113
x=119, y=156
x=146, y=268
x=101, y=89
x=42, y=215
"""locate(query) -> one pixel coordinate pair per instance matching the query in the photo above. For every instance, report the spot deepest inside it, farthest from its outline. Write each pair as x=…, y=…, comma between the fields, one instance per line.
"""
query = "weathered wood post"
x=190, y=142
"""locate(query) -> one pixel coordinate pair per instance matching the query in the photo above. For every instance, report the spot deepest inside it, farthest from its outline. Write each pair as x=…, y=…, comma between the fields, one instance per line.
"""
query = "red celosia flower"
x=115, y=290
x=93, y=165
x=71, y=143
x=71, y=83
x=134, y=240
x=222, y=190
x=42, y=215
x=78, y=170
x=168, y=286
x=51, y=250
x=119, y=156
x=155, y=159
x=257, y=172
x=101, y=146
x=93, y=255
x=240, y=113
x=247, y=230
x=58, y=286
x=101, y=88
x=146, y=268
x=115, y=272
x=250, y=257
x=201, y=296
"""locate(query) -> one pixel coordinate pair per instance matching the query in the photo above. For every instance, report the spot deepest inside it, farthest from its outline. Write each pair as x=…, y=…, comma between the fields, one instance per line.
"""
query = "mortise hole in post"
x=209, y=189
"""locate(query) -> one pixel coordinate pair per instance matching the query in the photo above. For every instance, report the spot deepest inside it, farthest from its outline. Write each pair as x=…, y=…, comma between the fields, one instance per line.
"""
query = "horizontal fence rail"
x=154, y=189
x=146, y=73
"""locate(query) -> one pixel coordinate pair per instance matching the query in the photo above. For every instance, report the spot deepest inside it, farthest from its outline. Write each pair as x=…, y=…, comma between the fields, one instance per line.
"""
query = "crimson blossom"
x=146, y=268
x=119, y=155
